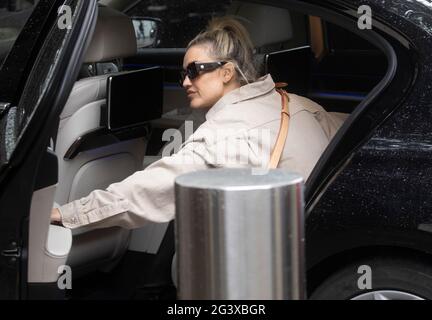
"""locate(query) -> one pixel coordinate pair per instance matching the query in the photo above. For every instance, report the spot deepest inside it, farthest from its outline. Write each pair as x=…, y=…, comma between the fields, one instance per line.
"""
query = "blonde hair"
x=228, y=40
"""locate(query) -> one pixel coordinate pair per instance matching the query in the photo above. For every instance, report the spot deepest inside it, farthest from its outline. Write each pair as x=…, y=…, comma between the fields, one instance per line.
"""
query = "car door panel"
x=49, y=245
x=45, y=69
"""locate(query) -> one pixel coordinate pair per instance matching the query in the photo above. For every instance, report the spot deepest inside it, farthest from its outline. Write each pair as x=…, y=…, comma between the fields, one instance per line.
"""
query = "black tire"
x=394, y=274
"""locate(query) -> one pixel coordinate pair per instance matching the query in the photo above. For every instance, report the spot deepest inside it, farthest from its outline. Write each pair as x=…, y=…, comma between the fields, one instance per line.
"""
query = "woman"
x=242, y=121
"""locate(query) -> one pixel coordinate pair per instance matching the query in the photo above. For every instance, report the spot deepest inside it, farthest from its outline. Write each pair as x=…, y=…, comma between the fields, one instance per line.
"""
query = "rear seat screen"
x=134, y=97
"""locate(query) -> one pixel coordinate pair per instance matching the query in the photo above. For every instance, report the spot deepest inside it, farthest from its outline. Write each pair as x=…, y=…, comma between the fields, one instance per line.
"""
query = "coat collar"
x=260, y=87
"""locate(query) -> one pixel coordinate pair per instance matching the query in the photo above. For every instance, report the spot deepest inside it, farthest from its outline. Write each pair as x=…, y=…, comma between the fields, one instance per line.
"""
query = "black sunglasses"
x=193, y=69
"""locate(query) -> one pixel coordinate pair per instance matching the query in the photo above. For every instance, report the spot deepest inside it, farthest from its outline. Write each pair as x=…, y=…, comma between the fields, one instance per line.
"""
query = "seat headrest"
x=113, y=38
x=266, y=24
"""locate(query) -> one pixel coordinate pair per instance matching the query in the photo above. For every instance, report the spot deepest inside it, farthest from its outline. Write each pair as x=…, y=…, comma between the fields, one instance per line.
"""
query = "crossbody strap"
x=283, y=129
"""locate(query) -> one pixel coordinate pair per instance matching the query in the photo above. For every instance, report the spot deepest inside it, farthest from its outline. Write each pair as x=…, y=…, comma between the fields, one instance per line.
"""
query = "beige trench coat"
x=240, y=131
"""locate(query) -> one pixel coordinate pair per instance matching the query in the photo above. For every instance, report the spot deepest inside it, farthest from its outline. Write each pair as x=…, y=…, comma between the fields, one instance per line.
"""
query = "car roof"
x=418, y=12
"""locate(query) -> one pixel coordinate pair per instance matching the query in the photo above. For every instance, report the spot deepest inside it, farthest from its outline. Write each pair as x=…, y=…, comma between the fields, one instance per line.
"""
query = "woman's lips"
x=190, y=93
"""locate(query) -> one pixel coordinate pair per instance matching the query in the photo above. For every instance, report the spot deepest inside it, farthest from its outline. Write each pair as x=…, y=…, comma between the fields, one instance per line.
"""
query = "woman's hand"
x=55, y=216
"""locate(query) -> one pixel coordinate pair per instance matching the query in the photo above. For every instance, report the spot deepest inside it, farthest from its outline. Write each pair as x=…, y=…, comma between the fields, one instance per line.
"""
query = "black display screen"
x=134, y=97
x=291, y=66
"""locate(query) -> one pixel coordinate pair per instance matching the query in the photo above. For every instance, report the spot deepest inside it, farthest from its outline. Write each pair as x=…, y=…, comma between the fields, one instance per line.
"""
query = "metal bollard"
x=239, y=235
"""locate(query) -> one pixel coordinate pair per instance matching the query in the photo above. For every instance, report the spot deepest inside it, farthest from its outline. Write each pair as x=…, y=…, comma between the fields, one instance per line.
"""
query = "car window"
x=330, y=78
x=13, y=16
x=169, y=24
x=146, y=31
x=15, y=122
x=181, y=20
x=335, y=81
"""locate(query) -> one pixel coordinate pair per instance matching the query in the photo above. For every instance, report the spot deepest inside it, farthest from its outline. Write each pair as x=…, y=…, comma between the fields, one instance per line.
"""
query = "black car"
x=368, y=204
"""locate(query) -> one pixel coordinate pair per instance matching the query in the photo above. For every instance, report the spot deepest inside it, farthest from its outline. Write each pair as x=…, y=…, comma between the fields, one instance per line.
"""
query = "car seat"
x=113, y=39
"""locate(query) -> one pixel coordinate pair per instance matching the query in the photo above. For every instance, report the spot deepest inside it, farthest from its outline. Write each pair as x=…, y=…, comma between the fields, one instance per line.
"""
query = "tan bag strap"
x=284, y=126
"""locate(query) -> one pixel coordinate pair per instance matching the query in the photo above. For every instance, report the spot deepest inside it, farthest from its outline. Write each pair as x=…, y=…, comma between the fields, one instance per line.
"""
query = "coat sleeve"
x=145, y=196
x=148, y=195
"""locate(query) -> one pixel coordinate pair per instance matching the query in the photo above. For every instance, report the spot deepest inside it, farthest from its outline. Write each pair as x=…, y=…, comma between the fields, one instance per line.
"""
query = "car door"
x=35, y=80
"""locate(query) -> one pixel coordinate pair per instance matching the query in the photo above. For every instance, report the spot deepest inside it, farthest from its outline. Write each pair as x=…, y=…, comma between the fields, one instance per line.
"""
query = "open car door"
x=35, y=81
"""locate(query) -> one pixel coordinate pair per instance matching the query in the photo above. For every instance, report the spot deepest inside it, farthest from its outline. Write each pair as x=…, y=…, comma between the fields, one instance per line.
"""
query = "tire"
x=391, y=279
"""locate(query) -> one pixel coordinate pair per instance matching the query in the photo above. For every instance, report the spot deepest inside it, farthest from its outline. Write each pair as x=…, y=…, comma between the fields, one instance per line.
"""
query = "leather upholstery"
x=113, y=38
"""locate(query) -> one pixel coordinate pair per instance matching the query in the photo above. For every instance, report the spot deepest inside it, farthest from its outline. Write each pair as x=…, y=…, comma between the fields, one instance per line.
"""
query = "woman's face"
x=208, y=87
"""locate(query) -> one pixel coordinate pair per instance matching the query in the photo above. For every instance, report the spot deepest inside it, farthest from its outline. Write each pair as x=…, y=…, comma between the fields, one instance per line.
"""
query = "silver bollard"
x=239, y=235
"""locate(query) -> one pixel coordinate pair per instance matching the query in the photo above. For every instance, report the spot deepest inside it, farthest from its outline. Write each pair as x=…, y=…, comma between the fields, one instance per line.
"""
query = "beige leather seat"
x=51, y=247
x=113, y=39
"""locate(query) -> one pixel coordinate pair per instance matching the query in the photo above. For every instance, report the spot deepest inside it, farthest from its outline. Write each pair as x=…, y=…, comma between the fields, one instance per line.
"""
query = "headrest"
x=114, y=37
x=266, y=24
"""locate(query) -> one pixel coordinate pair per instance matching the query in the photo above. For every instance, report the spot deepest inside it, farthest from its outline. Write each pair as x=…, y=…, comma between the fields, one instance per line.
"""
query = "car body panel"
x=380, y=194
x=22, y=170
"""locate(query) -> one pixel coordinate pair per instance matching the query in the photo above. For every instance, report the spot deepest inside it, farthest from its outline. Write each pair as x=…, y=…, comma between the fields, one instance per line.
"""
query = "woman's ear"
x=228, y=72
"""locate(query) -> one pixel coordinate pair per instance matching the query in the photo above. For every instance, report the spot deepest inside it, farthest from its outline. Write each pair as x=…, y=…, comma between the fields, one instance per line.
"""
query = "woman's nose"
x=186, y=82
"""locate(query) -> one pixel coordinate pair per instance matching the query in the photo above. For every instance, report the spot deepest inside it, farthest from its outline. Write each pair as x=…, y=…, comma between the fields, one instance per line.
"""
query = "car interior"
x=313, y=56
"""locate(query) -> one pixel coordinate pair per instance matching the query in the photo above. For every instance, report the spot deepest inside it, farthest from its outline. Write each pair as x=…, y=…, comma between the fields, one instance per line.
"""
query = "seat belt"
x=317, y=37
x=284, y=126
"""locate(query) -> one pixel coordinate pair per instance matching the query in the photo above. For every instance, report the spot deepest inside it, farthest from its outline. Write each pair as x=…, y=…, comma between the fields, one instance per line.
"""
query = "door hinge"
x=12, y=252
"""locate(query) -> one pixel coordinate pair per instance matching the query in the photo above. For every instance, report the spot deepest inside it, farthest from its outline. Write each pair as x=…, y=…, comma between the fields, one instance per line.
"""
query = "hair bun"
x=231, y=25
x=222, y=23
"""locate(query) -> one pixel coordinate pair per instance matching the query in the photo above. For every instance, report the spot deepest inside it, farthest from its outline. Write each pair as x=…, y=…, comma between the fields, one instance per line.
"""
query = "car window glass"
x=181, y=20
x=47, y=62
x=336, y=82
x=330, y=79
x=145, y=32
x=13, y=16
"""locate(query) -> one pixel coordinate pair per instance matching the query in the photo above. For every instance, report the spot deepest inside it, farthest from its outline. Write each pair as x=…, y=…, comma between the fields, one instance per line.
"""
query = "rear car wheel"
x=378, y=279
